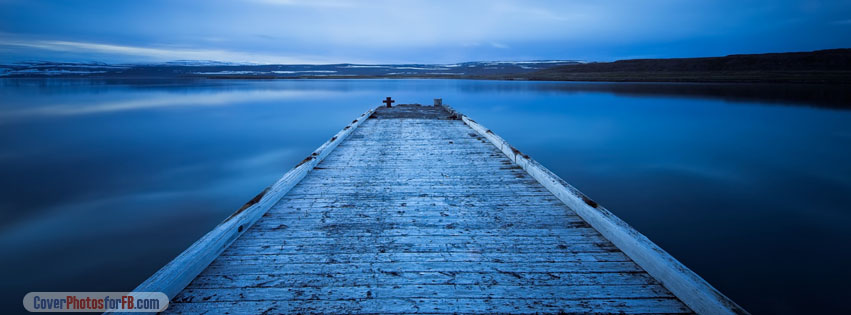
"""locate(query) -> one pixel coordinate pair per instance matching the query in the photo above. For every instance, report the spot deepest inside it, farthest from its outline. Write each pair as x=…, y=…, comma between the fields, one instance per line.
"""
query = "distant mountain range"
x=823, y=66
x=213, y=69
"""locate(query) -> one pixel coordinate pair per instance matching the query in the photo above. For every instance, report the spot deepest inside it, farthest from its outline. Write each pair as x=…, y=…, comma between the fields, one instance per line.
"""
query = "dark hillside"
x=823, y=66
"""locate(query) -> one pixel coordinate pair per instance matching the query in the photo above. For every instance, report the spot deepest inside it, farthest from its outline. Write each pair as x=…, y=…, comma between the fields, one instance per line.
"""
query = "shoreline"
x=785, y=77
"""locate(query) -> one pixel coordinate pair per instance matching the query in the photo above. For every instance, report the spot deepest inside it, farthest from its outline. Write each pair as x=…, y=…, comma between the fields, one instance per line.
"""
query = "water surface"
x=102, y=183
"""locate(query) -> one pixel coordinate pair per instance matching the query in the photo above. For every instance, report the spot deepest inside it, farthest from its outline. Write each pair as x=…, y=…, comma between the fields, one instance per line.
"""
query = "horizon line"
x=234, y=63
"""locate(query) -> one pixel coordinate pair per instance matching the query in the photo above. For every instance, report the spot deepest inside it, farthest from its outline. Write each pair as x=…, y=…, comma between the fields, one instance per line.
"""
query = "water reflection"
x=832, y=96
x=103, y=182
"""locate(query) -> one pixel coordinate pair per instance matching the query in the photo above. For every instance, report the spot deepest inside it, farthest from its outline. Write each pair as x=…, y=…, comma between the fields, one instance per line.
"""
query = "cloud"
x=308, y=3
x=378, y=31
x=499, y=45
x=163, y=53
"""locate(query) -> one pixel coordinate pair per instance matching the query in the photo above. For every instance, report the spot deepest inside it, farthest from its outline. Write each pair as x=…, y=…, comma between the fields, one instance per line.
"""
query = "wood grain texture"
x=690, y=288
x=174, y=276
x=417, y=213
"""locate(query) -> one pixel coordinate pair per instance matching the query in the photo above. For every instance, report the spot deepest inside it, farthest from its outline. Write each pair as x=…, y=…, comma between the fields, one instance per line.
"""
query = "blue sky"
x=412, y=31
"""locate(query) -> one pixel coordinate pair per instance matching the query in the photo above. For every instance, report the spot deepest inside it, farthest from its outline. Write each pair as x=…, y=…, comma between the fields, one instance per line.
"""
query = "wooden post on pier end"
x=388, y=101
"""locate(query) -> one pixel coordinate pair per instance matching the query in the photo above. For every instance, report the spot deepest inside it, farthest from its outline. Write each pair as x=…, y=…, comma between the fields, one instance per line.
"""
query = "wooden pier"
x=419, y=209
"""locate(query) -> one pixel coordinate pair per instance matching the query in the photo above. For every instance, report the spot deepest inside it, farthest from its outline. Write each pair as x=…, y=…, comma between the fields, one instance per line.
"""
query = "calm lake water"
x=102, y=183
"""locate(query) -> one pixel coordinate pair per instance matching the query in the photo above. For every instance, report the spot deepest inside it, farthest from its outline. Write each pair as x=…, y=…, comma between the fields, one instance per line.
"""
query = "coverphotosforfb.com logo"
x=95, y=302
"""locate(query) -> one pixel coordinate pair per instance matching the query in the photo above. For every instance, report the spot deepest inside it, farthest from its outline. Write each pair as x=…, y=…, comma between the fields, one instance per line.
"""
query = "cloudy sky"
x=413, y=31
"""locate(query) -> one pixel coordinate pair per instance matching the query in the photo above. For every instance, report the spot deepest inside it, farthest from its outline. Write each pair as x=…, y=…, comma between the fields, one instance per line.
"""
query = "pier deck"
x=414, y=211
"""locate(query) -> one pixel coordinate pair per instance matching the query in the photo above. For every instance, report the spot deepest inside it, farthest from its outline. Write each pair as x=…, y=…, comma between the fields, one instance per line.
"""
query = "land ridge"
x=832, y=66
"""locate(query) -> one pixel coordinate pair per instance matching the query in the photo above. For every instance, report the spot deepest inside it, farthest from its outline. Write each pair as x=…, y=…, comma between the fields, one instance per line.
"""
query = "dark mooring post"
x=438, y=102
x=388, y=101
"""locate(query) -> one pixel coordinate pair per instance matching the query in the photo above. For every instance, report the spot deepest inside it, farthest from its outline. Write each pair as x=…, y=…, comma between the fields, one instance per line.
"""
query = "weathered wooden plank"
x=258, y=249
x=292, y=258
x=322, y=268
x=424, y=278
x=288, y=233
x=326, y=215
x=416, y=203
x=439, y=291
x=548, y=240
x=338, y=227
x=403, y=215
x=448, y=222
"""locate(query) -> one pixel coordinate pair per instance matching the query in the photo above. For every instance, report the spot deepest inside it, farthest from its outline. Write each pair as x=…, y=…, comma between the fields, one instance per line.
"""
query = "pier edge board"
x=684, y=283
x=178, y=273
